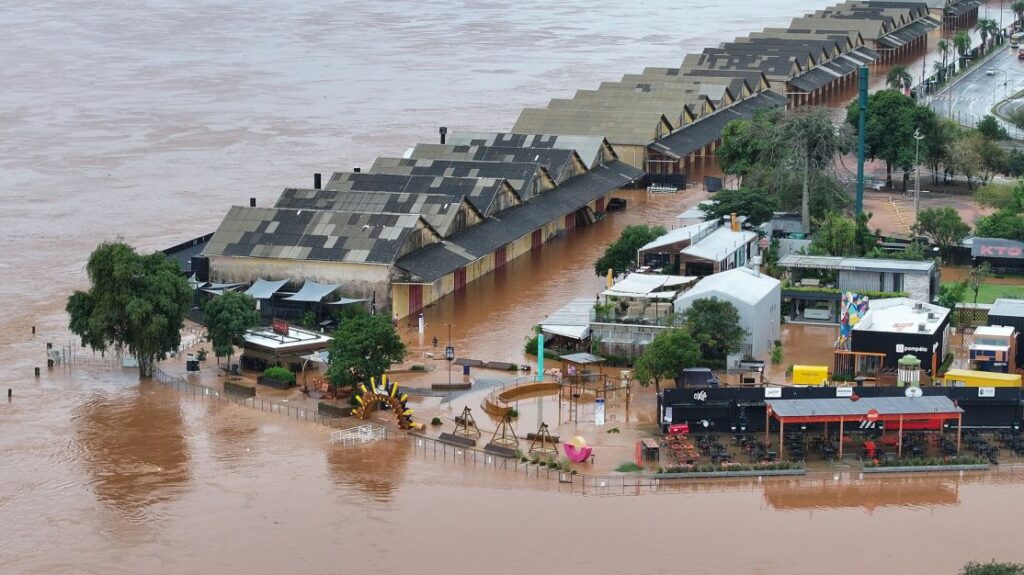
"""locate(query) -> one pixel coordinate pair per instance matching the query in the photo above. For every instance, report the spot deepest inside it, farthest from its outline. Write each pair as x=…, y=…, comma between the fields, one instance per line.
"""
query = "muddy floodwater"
x=147, y=120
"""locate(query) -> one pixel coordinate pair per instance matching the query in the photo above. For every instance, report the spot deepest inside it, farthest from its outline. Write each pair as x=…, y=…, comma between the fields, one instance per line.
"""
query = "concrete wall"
x=788, y=246
x=356, y=280
x=916, y=284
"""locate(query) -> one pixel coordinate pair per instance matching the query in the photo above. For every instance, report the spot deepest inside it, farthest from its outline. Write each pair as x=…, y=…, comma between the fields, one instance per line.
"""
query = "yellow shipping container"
x=972, y=378
x=810, y=374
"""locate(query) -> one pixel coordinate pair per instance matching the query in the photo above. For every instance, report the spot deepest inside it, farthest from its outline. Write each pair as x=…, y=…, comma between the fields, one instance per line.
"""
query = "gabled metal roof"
x=844, y=407
x=692, y=137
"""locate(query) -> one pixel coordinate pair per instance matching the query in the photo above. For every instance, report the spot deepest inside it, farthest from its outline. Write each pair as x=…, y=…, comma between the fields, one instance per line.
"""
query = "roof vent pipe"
x=443, y=130
x=316, y=180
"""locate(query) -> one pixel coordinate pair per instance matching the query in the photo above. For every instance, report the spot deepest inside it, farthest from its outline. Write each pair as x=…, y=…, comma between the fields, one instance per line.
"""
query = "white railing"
x=360, y=434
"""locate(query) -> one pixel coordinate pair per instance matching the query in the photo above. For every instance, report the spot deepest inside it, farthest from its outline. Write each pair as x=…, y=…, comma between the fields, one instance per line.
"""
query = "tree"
x=815, y=143
x=836, y=236
x=1005, y=224
x=620, y=256
x=899, y=78
x=987, y=28
x=964, y=156
x=671, y=351
x=977, y=278
x=747, y=144
x=952, y=293
x=943, y=47
x=992, y=568
x=136, y=302
x=228, y=317
x=715, y=326
x=364, y=346
x=759, y=206
x=943, y=226
x=991, y=129
x=891, y=121
x=1018, y=9
x=962, y=43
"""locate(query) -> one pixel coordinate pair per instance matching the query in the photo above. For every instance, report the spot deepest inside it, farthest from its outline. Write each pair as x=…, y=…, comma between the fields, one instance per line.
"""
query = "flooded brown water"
x=148, y=120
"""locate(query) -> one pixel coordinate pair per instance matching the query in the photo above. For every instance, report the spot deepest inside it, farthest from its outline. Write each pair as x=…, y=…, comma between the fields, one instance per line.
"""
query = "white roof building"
x=757, y=297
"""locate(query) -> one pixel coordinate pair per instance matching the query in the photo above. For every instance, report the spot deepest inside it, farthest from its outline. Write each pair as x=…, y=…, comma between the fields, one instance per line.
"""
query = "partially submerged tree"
x=962, y=43
x=136, y=302
x=671, y=351
x=715, y=326
x=943, y=226
x=977, y=278
x=759, y=206
x=891, y=122
x=620, y=256
x=364, y=346
x=228, y=317
x=815, y=143
x=836, y=236
x=899, y=78
x=991, y=129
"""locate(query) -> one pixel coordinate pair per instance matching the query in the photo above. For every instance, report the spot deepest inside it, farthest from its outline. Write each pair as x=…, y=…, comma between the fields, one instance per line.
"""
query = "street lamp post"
x=449, y=354
x=917, y=176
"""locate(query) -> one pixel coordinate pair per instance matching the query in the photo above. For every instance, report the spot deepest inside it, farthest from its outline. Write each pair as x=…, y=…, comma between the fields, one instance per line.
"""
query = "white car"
x=990, y=72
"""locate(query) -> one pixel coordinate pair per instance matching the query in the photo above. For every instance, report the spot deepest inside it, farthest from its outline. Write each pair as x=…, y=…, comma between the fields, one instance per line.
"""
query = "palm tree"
x=1018, y=9
x=940, y=70
x=943, y=47
x=898, y=78
x=962, y=43
x=986, y=28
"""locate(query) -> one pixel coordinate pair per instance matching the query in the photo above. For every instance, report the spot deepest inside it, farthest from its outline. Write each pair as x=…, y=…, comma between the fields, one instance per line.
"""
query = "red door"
x=499, y=257
x=460, y=279
x=600, y=205
x=570, y=221
x=536, y=240
x=415, y=298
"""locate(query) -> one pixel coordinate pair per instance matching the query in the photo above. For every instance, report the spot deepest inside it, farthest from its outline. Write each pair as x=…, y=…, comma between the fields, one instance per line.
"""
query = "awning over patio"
x=874, y=408
x=571, y=321
x=265, y=289
x=649, y=286
x=313, y=292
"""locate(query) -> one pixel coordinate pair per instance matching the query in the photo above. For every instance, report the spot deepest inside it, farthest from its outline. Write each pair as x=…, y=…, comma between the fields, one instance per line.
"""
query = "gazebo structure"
x=901, y=411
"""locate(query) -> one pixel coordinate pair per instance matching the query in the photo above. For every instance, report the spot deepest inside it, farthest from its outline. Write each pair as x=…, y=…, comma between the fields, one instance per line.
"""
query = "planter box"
x=274, y=382
x=239, y=389
x=926, y=468
x=328, y=410
x=712, y=474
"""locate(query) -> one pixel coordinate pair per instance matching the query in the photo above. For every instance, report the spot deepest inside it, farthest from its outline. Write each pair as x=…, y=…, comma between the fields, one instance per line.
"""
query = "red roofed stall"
x=910, y=411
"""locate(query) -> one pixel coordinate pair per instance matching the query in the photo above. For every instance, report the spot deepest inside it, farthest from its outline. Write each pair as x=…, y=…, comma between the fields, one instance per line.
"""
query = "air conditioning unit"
x=918, y=306
x=922, y=327
x=933, y=315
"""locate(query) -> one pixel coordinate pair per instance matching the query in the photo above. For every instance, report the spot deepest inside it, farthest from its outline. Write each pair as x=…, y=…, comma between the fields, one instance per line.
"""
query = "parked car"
x=990, y=72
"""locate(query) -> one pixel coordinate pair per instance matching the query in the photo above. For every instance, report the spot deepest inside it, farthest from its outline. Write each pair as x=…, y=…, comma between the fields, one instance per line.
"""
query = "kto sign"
x=1001, y=251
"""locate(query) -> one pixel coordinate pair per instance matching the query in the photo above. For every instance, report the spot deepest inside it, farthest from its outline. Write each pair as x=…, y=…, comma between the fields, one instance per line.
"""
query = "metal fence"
x=565, y=481
x=299, y=412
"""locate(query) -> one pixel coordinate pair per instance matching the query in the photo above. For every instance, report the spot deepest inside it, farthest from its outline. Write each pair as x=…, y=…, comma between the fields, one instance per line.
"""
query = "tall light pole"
x=449, y=354
x=917, y=176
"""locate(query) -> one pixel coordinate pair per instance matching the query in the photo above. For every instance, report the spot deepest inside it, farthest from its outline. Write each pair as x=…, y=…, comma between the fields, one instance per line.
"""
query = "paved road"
x=974, y=95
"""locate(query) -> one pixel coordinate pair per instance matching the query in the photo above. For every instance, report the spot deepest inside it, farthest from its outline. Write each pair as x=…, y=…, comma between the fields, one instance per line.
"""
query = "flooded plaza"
x=148, y=120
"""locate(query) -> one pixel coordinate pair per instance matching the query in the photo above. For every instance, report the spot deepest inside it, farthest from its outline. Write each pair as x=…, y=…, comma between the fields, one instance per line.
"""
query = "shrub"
x=512, y=412
x=435, y=421
x=201, y=354
x=992, y=568
x=777, y=354
x=552, y=464
x=628, y=467
x=613, y=430
x=417, y=367
x=280, y=374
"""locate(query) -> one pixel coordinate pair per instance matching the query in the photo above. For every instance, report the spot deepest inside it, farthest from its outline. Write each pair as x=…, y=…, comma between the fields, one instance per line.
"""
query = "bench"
x=500, y=450
x=456, y=440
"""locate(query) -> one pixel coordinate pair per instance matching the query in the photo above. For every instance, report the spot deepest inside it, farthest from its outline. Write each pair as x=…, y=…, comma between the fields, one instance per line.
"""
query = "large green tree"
x=621, y=254
x=671, y=351
x=962, y=43
x=228, y=317
x=992, y=568
x=757, y=205
x=890, y=124
x=943, y=226
x=836, y=236
x=991, y=129
x=364, y=346
x=899, y=78
x=715, y=326
x=136, y=302
x=789, y=155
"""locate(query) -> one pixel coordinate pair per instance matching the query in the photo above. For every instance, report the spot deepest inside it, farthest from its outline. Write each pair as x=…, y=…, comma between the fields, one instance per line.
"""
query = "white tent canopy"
x=648, y=286
x=265, y=289
x=313, y=292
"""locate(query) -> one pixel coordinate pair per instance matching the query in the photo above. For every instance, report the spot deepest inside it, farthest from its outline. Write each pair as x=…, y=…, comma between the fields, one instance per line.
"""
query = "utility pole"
x=917, y=177
x=449, y=354
x=862, y=100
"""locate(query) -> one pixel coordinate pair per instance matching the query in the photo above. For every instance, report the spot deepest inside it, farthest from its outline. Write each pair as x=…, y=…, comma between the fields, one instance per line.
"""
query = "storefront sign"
x=913, y=392
x=773, y=392
x=872, y=415
x=900, y=348
x=667, y=415
x=986, y=392
x=701, y=395
x=844, y=392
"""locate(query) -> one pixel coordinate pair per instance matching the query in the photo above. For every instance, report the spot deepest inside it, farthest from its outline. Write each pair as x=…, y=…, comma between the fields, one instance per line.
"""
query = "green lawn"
x=991, y=292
